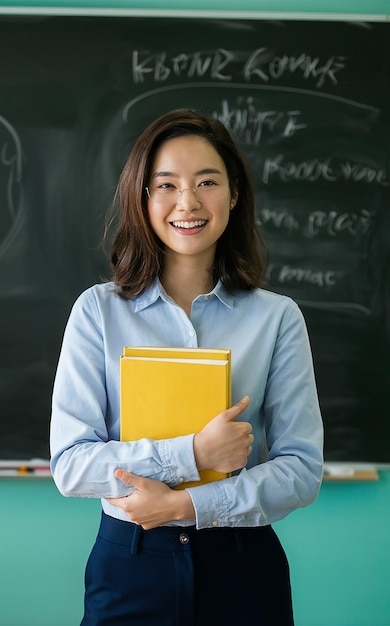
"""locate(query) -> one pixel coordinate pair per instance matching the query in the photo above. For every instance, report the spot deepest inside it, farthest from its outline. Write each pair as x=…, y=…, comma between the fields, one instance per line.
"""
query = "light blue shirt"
x=271, y=362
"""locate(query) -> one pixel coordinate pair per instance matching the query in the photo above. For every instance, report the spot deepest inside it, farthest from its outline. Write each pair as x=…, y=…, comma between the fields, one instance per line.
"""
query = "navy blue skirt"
x=180, y=576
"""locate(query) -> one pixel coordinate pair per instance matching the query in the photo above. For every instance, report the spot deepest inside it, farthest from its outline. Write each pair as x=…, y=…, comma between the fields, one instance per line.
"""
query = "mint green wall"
x=372, y=7
x=338, y=547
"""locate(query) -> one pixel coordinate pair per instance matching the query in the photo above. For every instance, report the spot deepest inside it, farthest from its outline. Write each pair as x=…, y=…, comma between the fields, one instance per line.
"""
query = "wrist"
x=199, y=458
x=184, y=509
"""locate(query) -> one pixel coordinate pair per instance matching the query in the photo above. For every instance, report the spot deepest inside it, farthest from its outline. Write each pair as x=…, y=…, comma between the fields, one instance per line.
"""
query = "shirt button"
x=181, y=479
x=192, y=333
x=215, y=523
x=184, y=538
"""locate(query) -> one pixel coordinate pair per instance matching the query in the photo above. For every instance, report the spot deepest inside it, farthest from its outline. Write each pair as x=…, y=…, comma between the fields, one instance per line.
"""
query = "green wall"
x=339, y=547
x=372, y=7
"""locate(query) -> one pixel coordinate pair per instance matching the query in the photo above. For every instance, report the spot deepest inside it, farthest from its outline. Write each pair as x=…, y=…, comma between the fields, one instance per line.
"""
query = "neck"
x=185, y=281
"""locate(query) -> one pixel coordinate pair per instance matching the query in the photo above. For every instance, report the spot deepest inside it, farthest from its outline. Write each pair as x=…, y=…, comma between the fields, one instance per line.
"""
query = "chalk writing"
x=333, y=223
x=281, y=220
x=312, y=170
x=248, y=123
x=260, y=65
x=10, y=178
x=321, y=278
x=319, y=223
x=160, y=66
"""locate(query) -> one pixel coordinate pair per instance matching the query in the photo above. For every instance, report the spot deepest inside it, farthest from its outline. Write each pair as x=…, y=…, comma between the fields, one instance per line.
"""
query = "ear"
x=233, y=200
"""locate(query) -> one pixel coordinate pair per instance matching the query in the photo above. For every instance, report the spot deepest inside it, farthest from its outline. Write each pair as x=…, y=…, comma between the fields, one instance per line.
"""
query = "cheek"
x=156, y=216
x=224, y=217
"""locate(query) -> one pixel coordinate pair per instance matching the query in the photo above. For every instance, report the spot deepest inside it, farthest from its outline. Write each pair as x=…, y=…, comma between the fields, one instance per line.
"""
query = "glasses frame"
x=179, y=192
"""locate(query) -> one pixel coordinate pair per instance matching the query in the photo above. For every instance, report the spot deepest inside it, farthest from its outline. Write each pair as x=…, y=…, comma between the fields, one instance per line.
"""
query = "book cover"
x=167, y=392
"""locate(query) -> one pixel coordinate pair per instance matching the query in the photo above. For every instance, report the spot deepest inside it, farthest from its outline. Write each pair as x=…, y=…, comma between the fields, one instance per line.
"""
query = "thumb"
x=238, y=408
x=127, y=477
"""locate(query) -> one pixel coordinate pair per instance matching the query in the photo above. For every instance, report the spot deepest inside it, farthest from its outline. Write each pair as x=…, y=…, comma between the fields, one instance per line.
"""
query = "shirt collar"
x=226, y=297
x=156, y=290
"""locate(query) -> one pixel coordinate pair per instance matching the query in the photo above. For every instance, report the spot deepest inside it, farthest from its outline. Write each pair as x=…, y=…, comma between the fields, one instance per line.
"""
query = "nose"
x=188, y=201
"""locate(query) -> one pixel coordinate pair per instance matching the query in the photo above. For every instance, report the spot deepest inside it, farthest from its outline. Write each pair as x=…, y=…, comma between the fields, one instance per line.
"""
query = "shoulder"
x=104, y=299
x=97, y=299
x=264, y=298
x=268, y=307
x=96, y=293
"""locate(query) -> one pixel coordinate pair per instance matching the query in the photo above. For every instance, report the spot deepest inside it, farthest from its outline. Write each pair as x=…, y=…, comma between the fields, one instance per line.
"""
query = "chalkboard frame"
x=73, y=285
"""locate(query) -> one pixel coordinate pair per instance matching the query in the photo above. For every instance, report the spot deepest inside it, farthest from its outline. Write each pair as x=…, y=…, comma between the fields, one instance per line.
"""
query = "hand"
x=153, y=503
x=223, y=444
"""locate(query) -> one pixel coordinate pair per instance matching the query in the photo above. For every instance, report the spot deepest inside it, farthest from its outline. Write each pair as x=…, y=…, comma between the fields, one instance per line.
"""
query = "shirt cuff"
x=178, y=460
x=210, y=504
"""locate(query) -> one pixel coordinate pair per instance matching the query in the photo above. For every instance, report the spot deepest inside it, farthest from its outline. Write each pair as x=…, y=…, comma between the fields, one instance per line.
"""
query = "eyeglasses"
x=169, y=194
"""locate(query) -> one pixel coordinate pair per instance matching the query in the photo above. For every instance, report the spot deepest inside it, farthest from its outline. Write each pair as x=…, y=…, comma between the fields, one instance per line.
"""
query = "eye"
x=207, y=183
x=165, y=187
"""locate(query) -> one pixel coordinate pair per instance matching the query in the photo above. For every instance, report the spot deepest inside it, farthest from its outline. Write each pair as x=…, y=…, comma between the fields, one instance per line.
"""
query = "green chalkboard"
x=309, y=104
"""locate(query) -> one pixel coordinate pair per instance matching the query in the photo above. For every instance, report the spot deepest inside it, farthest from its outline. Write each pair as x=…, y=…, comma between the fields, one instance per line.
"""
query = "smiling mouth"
x=192, y=224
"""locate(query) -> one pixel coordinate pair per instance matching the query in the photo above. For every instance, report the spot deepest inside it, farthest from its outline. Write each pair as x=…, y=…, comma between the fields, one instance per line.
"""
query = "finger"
x=127, y=477
x=237, y=409
x=116, y=501
x=251, y=440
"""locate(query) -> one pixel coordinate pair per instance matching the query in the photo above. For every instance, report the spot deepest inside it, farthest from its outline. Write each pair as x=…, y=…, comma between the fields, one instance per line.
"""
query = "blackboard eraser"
x=347, y=473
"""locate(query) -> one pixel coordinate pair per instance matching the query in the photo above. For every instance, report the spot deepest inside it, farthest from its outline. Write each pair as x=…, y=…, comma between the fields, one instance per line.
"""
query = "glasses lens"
x=210, y=193
x=172, y=195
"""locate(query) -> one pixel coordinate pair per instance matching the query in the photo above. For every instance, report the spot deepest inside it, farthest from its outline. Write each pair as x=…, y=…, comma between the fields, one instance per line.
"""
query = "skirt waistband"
x=177, y=538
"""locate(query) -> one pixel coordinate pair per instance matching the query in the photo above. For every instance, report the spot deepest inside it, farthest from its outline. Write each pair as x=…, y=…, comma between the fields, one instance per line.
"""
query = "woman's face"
x=189, y=198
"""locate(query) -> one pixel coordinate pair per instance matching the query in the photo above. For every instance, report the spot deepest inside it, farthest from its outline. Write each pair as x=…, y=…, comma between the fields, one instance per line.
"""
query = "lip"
x=189, y=225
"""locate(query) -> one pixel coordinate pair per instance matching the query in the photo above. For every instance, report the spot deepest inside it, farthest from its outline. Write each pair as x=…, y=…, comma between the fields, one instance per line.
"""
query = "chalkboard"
x=309, y=104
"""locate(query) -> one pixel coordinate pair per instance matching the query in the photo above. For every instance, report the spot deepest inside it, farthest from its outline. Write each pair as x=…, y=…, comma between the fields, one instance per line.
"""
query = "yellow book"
x=167, y=392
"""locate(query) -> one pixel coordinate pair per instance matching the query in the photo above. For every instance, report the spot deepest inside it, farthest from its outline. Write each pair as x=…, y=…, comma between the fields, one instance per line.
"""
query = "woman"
x=188, y=270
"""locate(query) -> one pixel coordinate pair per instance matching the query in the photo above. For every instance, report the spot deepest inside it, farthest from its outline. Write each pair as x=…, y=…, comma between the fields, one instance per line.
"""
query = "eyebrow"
x=206, y=170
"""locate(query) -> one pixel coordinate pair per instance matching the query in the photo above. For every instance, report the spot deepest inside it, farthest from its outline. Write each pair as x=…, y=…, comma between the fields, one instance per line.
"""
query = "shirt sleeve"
x=84, y=430
x=293, y=429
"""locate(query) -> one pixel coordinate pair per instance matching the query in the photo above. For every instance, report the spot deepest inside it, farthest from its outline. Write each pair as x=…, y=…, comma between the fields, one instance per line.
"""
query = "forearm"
x=259, y=496
x=87, y=469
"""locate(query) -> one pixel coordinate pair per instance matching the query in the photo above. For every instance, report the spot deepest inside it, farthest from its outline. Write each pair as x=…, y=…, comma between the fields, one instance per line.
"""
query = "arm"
x=85, y=449
x=292, y=475
x=84, y=435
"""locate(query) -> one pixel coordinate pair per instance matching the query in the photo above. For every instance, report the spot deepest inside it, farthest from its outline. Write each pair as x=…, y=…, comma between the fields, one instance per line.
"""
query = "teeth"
x=193, y=224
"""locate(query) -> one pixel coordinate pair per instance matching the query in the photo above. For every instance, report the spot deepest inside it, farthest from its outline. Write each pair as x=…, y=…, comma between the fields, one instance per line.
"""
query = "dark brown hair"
x=137, y=254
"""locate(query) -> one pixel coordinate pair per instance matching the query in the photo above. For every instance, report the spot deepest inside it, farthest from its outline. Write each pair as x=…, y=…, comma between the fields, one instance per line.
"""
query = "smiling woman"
x=240, y=254
x=188, y=271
